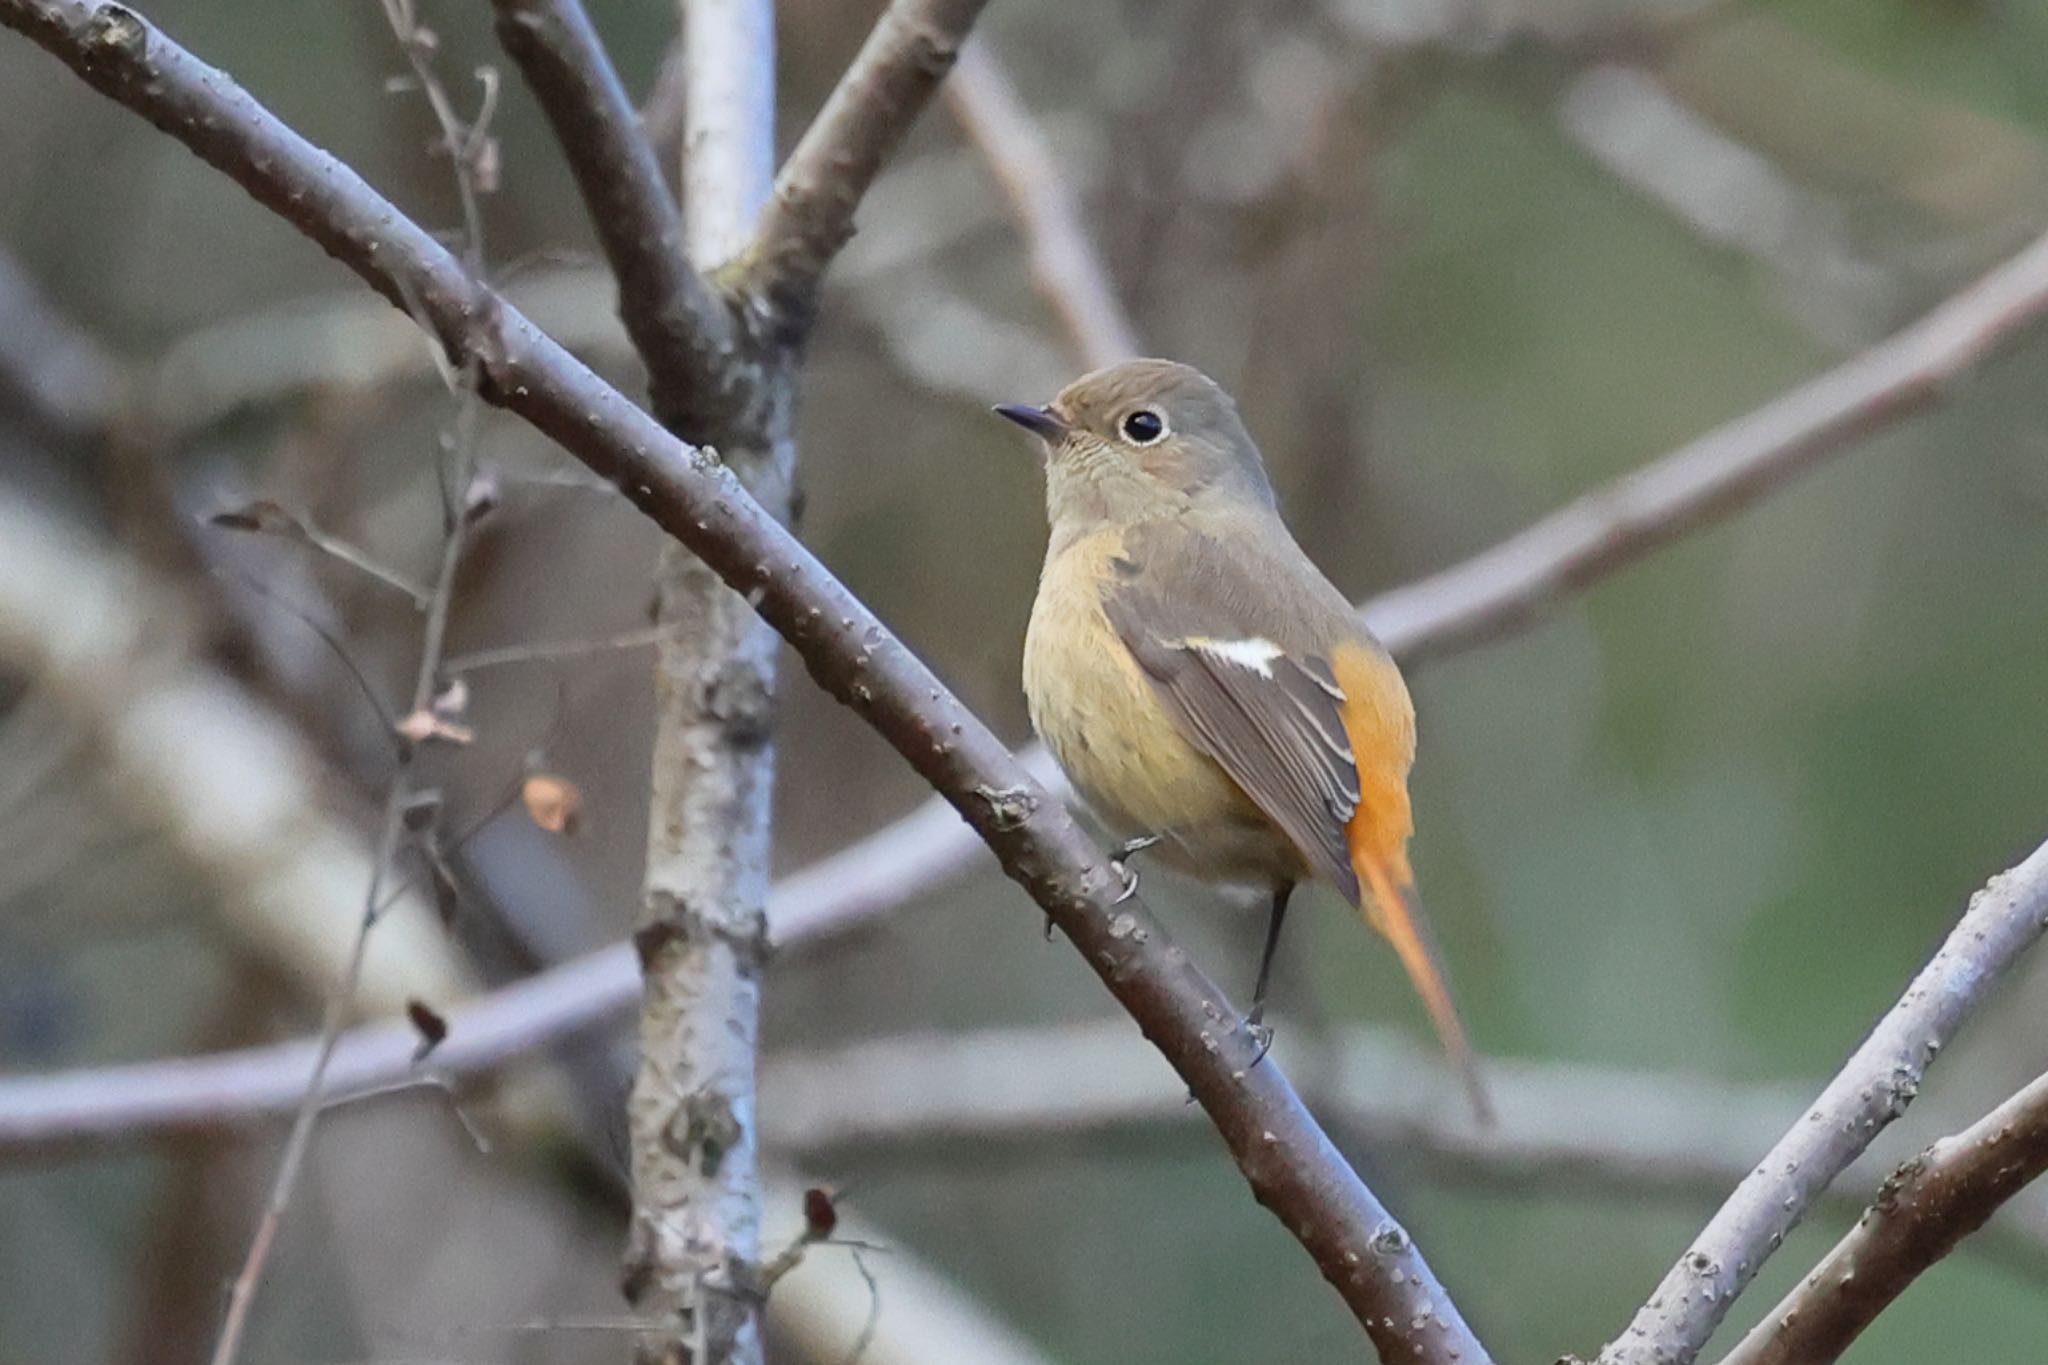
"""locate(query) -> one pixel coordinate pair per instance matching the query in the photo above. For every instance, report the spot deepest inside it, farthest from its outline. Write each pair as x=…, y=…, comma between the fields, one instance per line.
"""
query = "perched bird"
x=1203, y=685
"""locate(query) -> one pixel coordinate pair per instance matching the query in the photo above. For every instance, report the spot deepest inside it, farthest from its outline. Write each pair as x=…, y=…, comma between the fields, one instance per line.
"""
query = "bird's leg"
x=1120, y=856
x=1259, y=1031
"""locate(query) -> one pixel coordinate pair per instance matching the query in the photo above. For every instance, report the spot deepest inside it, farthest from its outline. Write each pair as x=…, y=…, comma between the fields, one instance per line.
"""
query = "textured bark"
x=1924, y=1209
x=694, y=1256
x=1873, y=1088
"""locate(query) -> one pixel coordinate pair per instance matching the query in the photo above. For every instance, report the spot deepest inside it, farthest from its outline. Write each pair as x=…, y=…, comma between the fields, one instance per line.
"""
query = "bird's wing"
x=1272, y=719
x=1224, y=648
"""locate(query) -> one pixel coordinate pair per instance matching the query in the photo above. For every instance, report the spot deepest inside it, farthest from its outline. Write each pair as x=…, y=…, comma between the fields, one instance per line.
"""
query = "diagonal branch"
x=1721, y=472
x=810, y=216
x=1927, y=1206
x=1064, y=262
x=1288, y=1160
x=1873, y=1088
x=682, y=329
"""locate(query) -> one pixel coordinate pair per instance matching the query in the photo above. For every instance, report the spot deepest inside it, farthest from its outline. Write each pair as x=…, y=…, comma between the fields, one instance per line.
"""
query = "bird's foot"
x=1260, y=1031
x=1262, y=1035
x=1120, y=861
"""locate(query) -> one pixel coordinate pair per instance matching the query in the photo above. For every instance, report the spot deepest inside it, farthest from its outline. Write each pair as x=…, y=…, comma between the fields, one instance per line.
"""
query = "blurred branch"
x=810, y=216
x=680, y=326
x=69, y=384
x=1718, y=474
x=1873, y=1088
x=1926, y=1206
x=193, y=755
x=1605, y=1130
x=1562, y=1125
x=1064, y=262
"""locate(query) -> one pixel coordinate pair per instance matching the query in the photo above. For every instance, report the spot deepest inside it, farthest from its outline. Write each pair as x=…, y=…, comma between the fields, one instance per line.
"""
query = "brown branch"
x=684, y=332
x=810, y=216
x=1874, y=1087
x=1924, y=1209
x=1285, y=1156
x=1065, y=265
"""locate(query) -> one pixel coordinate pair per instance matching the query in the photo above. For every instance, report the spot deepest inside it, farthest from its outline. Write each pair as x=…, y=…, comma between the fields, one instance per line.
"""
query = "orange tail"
x=1391, y=907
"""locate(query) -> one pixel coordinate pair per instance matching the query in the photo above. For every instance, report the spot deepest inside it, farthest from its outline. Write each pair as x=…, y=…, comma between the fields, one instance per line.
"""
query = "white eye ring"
x=1143, y=426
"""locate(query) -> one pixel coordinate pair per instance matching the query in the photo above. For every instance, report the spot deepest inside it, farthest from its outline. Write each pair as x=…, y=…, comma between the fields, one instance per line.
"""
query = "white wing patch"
x=1256, y=654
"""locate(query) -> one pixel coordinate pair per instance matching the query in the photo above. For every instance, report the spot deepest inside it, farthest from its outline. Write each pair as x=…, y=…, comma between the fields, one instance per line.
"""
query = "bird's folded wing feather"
x=1273, y=719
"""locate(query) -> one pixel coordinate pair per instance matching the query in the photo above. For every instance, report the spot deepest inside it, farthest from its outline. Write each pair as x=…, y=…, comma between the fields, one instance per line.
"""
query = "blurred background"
x=1459, y=262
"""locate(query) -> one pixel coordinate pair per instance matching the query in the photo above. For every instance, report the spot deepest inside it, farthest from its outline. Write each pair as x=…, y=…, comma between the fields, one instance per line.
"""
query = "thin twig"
x=458, y=139
x=1065, y=265
x=1874, y=1087
x=547, y=651
x=1924, y=1209
x=810, y=216
x=683, y=330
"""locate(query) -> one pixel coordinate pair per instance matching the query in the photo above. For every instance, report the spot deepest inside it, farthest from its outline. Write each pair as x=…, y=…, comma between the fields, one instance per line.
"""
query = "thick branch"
x=1873, y=1088
x=810, y=216
x=1064, y=262
x=1289, y=1162
x=682, y=329
x=1925, y=1208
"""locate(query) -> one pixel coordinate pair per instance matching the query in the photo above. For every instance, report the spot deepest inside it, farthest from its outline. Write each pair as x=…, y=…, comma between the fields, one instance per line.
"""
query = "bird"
x=1208, y=692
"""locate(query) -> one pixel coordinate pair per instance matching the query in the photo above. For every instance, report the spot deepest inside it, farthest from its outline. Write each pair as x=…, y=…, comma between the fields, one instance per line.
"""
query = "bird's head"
x=1139, y=441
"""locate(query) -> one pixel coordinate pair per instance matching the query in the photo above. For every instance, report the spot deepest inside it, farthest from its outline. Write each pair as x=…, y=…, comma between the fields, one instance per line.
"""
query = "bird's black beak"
x=1040, y=422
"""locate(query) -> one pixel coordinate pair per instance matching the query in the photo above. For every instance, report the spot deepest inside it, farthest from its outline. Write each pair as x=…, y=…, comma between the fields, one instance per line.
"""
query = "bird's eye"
x=1144, y=426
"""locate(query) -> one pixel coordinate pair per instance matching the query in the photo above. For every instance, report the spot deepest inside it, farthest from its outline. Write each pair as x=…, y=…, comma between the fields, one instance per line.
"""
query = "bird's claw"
x=1120, y=863
x=1262, y=1037
x=1261, y=1032
x=1129, y=875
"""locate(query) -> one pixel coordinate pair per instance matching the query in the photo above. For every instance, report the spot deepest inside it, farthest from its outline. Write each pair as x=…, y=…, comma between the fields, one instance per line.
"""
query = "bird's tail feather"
x=1391, y=907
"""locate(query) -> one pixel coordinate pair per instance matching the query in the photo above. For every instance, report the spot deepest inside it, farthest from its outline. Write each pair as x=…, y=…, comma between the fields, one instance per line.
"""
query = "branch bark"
x=1874, y=1087
x=1924, y=1209
x=687, y=335
x=810, y=216
x=1285, y=1156
x=695, y=1247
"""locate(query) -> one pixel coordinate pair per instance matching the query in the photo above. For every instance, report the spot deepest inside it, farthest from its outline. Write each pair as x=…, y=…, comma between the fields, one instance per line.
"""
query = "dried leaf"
x=429, y=1024
x=553, y=802
x=821, y=1214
